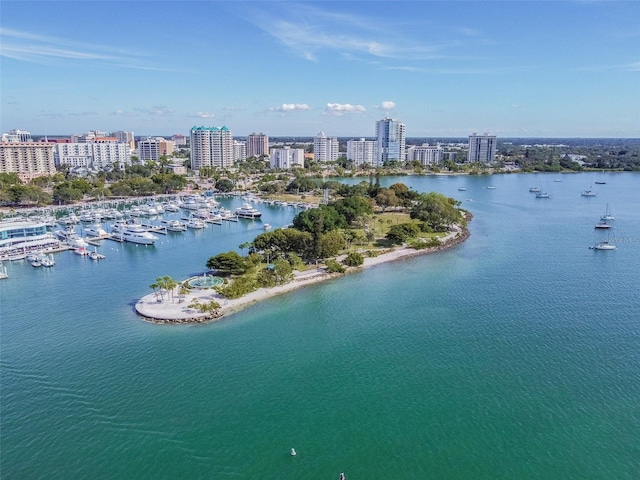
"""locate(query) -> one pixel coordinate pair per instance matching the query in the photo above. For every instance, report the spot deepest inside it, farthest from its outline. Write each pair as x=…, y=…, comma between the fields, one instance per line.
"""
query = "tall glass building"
x=391, y=141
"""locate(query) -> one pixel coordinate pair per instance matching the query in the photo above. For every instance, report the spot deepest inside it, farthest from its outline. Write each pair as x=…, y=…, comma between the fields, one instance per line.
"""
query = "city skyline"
x=513, y=69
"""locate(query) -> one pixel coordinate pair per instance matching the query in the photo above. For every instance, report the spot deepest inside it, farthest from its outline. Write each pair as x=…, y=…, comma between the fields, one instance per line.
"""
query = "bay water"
x=513, y=355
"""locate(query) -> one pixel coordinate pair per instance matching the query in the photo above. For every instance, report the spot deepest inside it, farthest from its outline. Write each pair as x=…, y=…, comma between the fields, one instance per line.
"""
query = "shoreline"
x=177, y=312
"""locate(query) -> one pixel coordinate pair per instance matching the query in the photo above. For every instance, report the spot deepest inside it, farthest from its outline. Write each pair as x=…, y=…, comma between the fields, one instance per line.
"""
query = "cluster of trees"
x=63, y=188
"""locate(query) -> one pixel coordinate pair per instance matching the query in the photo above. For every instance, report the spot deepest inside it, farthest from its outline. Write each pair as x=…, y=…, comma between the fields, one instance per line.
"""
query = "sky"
x=445, y=69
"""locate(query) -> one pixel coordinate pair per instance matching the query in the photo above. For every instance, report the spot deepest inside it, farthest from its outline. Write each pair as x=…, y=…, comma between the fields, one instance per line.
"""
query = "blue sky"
x=445, y=69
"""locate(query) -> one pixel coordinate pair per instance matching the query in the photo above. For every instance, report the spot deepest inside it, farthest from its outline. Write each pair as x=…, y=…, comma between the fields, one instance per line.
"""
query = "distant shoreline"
x=176, y=313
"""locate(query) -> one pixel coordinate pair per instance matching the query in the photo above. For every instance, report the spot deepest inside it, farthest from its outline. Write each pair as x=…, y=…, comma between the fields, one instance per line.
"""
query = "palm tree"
x=154, y=286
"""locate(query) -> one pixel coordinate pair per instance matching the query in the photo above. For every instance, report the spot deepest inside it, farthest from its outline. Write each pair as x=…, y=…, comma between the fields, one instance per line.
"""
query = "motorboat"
x=588, y=193
x=293, y=452
x=267, y=226
x=136, y=233
x=491, y=187
x=462, y=189
x=542, y=195
x=534, y=190
x=95, y=230
x=174, y=225
x=247, y=211
x=195, y=223
x=95, y=255
x=47, y=261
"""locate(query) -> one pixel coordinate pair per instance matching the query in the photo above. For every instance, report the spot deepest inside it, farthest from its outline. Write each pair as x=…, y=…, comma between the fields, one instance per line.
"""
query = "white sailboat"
x=605, y=244
x=608, y=215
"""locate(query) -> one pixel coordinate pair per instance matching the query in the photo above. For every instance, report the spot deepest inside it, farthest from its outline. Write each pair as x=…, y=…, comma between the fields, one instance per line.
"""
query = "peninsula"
x=178, y=309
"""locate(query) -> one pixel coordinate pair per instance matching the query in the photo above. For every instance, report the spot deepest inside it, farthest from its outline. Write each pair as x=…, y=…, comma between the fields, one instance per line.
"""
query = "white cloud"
x=122, y=113
x=234, y=109
x=203, y=115
x=160, y=111
x=290, y=107
x=340, y=109
x=388, y=105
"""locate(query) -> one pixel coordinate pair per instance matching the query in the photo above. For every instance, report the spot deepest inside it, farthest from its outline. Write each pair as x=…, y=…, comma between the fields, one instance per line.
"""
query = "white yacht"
x=195, y=223
x=95, y=230
x=174, y=225
x=135, y=233
x=247, y=211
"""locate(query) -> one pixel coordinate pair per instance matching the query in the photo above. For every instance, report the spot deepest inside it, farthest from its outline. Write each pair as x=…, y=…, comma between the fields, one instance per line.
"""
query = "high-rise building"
x=125, y=137
x=325, y=149
x=154, y=148
x=482, y=148
x=287, y=157
x=93, y=155
x=362, y=152
x=390, y=134
x=425, y=154
x=257, y=145
x=211, y=147
x=239, y=151
x=16, y=136
x=28, y=159
x=179, y=140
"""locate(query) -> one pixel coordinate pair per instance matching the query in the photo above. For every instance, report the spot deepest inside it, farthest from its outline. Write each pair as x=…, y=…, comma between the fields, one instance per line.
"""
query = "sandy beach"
x=176, y=311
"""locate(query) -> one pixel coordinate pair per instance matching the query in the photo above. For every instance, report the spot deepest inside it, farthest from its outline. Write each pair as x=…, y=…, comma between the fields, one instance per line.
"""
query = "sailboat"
x=607, y=215
x=605, y=245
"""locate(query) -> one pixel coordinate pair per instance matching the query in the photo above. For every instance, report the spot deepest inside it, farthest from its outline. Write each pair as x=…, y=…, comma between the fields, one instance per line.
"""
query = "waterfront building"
x=286, y=157
x=18, y=237
x=391, y=138
x=154, y=148
x=362, y=152
x=482, y=148
x=110, y=154
x=425, y=154
x=239, y=151
x=257, y=145
x=93, y=155
x=325, y=149
x=28, y=159
x=211, y=147
x=16, y=136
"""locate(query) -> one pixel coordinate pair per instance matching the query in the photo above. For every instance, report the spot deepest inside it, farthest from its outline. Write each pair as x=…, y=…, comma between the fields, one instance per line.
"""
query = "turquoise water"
x=514, y=355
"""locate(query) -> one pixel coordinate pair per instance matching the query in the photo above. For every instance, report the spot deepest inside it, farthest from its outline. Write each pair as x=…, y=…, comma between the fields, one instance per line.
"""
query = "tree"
x=386, y=198
x=401, y=233
x=225, y=185
x=353, y=259
x=437, y=211
x=331, y=244
x=231, y=263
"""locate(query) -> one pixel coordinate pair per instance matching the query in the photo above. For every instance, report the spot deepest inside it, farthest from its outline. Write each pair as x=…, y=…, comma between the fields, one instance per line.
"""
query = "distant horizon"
x=555, y=69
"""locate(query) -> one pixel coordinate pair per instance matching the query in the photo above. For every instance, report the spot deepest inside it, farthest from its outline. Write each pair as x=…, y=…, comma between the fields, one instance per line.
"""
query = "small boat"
x=196, y=223
x=342, y=477
x=47, y=261
x=542, y=195
x=293, y=452
x=588, y=193
x=267, y=226
x=601, y=183
x=95, y=255
x=607, y=215
x=603, y=225
x=462, y=189
x=534, y=189
x=491, y=187
x=605, y=245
